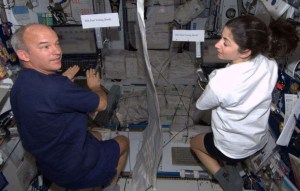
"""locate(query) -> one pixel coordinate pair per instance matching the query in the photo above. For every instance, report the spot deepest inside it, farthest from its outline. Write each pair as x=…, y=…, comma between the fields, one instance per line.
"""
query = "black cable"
x=173, y=137
x=151, y=186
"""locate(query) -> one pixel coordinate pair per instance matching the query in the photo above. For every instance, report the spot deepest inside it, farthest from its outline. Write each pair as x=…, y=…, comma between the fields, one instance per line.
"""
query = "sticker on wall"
x=100, y=20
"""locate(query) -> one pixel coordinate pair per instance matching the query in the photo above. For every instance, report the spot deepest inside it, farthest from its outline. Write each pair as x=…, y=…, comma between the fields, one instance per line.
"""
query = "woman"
x=240, y=94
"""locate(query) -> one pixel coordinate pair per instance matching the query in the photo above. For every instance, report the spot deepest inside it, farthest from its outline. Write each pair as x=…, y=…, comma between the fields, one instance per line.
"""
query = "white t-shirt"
x=240, y=96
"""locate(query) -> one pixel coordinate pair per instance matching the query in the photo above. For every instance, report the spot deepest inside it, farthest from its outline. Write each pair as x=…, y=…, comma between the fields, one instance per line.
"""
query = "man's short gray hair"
x=17, y=39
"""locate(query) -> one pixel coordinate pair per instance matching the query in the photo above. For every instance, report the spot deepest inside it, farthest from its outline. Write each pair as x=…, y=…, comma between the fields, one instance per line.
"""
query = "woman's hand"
x=71, y=72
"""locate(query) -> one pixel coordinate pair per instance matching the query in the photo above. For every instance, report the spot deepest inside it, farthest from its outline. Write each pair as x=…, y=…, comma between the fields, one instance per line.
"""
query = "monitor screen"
x=76, y=40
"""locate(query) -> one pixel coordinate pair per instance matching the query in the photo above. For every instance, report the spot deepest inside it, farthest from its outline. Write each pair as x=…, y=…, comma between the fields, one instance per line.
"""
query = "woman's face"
x=227, y=48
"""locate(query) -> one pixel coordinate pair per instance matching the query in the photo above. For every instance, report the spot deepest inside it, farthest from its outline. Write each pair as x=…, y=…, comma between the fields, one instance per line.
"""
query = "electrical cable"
x=173, y=137
x=187, y=109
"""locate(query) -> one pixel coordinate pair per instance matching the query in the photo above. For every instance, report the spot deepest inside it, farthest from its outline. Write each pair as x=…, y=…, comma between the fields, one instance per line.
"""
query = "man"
x=51, y=114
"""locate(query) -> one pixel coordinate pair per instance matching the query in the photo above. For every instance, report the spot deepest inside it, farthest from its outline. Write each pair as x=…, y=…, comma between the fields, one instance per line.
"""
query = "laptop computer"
x=79, y=47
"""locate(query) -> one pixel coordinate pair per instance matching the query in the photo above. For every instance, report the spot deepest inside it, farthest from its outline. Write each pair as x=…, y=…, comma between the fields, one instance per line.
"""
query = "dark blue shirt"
x=51, y=114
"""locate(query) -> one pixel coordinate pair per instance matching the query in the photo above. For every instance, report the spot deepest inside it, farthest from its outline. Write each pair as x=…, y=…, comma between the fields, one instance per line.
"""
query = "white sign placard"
x=100, y=20
x=188, y=35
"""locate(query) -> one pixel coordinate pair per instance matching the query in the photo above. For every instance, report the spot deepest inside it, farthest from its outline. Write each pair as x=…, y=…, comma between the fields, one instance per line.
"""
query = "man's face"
x=43, y=50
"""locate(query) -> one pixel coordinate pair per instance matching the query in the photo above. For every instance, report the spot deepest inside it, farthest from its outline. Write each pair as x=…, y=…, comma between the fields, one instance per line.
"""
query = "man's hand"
x=71, y=72
x=93, y=82
x=93, y=79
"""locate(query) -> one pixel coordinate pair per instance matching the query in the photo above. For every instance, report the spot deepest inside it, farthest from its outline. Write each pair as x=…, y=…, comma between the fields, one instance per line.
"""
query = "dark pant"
x=216, y=153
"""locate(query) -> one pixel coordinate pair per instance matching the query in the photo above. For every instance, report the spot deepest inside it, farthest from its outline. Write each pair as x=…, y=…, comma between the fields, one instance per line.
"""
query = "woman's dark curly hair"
x=277, y=40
